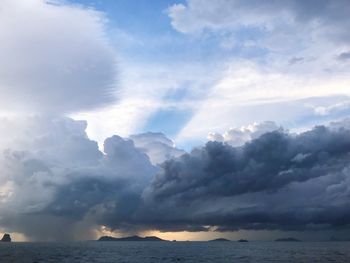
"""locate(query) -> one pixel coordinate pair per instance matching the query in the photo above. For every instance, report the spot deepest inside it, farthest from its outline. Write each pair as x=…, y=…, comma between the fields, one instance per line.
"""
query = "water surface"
x=146, y=252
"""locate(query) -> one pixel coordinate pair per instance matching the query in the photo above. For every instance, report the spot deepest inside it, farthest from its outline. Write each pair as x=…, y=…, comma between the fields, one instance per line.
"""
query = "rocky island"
x=219, y=240
x=6, y=238
x=131, y=238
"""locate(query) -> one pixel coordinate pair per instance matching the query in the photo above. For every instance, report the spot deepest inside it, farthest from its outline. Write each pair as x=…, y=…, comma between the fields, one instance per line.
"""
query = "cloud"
x=55, y=57
x=296, y=60
x=276, y=181
x=146, y=89
x=249, y=92
x=344, y=56
x=324, y=17
x=327, y=110
x=274, y=55
x=53, y=173
x=157, y=146
x=262, y=164
x=239, y=136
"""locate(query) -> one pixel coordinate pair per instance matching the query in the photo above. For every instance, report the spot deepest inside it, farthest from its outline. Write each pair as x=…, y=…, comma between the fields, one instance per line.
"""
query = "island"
x=242, y=240
x=6, y=238
x=288, y=239
x=219, y=240
x=131, y=238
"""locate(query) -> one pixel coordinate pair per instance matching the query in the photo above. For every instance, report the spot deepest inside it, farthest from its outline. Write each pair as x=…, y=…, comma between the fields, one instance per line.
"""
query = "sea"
x=96, y=251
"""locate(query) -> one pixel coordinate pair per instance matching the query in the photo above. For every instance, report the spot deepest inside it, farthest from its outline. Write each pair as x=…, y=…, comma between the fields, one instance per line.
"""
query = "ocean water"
x=145, y=252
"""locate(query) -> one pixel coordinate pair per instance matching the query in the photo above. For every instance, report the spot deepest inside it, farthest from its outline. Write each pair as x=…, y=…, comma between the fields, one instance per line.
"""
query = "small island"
x=242, y=240
x=131, y=238
x=219, y=240
x=6, y=238
x=288, y=239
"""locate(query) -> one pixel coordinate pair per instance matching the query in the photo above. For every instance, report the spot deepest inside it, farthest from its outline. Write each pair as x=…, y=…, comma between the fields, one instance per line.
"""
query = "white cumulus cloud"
x=54, y=57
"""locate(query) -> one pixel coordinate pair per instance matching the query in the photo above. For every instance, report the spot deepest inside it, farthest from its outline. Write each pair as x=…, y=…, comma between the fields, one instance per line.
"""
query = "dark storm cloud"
x=60, y=180
x=265, y=164
x=278, y=181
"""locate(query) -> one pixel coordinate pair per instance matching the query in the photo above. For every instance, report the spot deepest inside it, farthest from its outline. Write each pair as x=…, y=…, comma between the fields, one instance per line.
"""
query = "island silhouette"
x=130, y=238
x=219, y=240
x=154, y=238
x=6, y=238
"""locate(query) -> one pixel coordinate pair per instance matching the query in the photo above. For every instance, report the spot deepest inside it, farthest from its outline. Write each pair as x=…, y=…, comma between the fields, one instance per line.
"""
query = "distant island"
x=131, y=238
x=242, y=240
x=6, y=238
x=288, y=239
x=219, y=240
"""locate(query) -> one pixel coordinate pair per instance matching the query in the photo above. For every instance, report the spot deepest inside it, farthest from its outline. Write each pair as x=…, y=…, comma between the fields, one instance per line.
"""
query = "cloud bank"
x=54, y=57
x=277, y=181
x=56, y=178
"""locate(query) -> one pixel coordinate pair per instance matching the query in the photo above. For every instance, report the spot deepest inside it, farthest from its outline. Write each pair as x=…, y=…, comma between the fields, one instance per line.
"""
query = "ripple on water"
x=146, y=252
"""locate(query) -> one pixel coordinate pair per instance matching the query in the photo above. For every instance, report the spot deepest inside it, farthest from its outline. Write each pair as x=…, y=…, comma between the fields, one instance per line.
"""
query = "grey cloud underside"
x=268, y=163
x=325, y=17
x=276, y=181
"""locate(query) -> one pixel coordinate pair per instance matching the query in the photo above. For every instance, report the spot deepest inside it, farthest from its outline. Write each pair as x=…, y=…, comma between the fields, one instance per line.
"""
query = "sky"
x=188, y=119
x=201, y=67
